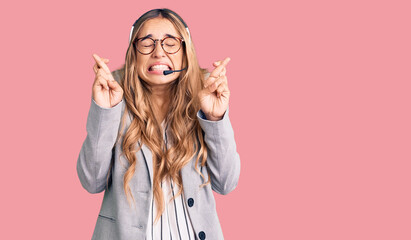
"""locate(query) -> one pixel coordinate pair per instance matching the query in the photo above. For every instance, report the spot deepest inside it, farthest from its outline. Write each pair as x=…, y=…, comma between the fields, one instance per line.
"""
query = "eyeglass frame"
x=162, y=45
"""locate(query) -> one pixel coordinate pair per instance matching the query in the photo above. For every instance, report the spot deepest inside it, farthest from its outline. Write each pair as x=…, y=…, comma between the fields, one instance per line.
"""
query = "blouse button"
x=190, y=202
x=201, y=235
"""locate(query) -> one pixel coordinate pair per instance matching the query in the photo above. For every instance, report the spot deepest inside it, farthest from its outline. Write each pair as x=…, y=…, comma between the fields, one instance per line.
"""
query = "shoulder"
x=118, y=74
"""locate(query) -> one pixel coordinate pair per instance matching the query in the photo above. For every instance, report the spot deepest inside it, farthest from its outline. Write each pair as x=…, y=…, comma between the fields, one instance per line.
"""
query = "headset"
x=166, y=72
x=161, y=9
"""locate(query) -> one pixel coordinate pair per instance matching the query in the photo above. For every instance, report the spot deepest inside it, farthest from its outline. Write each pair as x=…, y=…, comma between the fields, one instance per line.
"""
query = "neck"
x=161, y=100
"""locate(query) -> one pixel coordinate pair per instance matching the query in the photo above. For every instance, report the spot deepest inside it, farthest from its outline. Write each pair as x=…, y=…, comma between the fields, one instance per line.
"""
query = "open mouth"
x=159, y=68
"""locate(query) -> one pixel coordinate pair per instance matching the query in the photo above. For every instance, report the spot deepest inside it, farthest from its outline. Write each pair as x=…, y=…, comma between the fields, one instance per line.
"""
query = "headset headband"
x=163, y=9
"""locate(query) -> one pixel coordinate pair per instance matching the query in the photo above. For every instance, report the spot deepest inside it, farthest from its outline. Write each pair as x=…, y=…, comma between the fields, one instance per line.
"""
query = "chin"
x=159, y=79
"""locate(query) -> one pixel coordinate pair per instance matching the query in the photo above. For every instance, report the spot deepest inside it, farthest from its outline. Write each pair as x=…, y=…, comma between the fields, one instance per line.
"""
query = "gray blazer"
x=100, y=157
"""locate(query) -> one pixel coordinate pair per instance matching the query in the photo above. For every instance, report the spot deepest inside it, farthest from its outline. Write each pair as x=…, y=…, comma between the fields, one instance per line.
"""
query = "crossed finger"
x=100, y=64
x=96, y=68
x=217, y=74
x=217, y=71
x=212, y=79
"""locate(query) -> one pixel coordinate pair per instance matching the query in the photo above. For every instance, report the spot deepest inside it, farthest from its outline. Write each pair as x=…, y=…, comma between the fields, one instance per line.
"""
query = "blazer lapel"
x=191, y=179
x=146, y=152
x=148, y=157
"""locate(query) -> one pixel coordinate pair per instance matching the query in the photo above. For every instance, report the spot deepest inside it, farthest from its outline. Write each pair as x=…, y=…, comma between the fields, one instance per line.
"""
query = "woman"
x=159, y=142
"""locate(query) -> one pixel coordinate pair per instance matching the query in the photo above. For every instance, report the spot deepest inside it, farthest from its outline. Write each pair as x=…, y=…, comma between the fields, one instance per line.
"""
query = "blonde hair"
x=181, y=117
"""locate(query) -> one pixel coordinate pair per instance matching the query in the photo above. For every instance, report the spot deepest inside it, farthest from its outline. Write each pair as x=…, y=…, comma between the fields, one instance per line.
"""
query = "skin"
x=215, y=95
x=213, y=98
x=160, y=84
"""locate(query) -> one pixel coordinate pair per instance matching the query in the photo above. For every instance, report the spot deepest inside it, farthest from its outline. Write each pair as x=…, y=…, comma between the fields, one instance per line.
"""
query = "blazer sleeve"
x=223, y=161
x=95, y=156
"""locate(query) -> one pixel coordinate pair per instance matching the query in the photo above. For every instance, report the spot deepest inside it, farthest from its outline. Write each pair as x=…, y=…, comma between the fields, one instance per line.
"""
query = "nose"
x=158, y=50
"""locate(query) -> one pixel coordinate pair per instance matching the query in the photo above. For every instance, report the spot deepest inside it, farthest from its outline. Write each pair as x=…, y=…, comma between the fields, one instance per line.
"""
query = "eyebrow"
x=151, y=35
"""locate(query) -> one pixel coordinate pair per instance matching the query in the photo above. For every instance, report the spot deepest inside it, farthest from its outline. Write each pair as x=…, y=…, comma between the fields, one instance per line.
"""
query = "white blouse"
x=175, y=222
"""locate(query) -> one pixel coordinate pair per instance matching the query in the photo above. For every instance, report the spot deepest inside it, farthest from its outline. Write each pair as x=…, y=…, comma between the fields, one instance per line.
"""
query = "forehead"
x=158, y=28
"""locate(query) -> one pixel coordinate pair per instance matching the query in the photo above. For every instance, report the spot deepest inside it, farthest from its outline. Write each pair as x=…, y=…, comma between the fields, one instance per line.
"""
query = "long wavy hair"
x=185, y=129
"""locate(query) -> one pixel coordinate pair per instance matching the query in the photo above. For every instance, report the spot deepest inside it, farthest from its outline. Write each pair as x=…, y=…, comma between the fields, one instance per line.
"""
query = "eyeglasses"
x=147, y=45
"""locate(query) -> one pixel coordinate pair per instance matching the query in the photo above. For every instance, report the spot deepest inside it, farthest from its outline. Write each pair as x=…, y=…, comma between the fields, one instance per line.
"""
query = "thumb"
x=114, y=85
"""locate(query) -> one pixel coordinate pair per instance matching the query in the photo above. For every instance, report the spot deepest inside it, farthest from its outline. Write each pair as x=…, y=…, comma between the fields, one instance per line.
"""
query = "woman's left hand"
x=215, y=95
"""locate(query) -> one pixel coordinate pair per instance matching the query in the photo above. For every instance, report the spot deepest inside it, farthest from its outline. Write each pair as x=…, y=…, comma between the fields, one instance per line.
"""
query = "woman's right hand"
x=107, y=92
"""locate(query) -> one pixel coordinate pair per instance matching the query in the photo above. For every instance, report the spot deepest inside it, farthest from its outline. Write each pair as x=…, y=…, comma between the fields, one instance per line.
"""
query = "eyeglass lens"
x=170, y=45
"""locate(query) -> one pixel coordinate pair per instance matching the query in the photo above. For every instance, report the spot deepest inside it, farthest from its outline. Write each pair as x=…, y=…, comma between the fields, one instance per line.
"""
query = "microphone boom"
x=166, y=72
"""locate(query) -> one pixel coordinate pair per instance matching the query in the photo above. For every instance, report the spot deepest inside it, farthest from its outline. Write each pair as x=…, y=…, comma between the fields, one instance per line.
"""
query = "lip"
x=156, y=72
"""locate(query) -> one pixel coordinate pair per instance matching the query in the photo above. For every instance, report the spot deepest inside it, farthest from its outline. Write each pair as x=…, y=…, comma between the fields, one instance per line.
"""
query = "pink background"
x=320, y=105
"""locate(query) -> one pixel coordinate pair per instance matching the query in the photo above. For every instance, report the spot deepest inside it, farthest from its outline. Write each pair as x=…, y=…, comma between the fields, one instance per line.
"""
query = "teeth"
x=159, y=67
